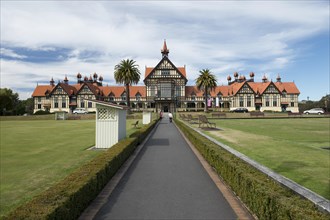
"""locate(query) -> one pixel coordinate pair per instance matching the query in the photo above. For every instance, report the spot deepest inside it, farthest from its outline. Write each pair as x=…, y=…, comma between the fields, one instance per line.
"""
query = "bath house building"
x=165, y=88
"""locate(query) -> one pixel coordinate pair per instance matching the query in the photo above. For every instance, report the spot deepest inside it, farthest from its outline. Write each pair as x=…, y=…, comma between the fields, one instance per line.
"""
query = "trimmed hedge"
x=266, y=198
x=71, y=196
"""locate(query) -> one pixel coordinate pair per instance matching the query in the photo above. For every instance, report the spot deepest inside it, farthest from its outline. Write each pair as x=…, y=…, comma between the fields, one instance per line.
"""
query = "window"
x=90, y=104
x=39, y=106
x=267, y=100
x=63, y=102
x=274, y=101
x=292, y=97
x=292, y=104
x=39, y=99
x=241, y=101
x=85, y=89
x=249, y=101
x=55, y=102
x=284, y=94
x=111, y=98
x=123, y=97
x=165, y=90
x=165, y=72
x=82, y=104
x=178, y=91
x=138, y=97
x=153, y=90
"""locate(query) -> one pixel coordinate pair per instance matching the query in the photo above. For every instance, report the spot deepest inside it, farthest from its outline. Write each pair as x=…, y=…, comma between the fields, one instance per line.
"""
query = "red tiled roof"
x=224, y=90
x=117, y=91
x=193, y=89
x=41, y=90
x=289, y=87
x=137, y=89
x=259, y=86
x=148, y=71
x=235, y=87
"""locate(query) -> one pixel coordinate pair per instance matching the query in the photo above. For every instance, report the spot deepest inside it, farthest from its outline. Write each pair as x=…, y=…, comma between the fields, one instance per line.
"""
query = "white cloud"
x=225, y=36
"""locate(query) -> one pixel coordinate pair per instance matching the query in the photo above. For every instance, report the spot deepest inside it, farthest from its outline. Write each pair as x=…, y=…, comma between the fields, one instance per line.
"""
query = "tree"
x=206, y=81
x=8, y=101
x=324, y=103
x=127, y=72
x=25, y=106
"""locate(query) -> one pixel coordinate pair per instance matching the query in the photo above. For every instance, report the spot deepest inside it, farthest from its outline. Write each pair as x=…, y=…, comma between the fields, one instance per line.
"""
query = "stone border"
x=322, y=203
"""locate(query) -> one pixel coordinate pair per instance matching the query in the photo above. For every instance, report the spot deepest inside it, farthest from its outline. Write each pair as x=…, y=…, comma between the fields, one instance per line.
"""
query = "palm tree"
x=127, y=72
x=206, y=81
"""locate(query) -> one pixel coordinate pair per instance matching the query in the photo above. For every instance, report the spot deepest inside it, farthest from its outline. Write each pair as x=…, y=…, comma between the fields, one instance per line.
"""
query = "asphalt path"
x=166, y=181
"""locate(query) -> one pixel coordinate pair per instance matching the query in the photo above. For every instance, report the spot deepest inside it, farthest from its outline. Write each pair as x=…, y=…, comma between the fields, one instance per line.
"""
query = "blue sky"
x=45, y=39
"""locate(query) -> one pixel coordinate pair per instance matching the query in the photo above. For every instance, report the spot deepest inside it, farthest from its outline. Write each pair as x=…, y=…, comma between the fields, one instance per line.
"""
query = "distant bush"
x=41, y=112
x=266, y=198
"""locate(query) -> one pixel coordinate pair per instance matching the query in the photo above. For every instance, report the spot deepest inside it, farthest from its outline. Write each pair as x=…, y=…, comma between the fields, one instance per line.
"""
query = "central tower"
x=165, y=84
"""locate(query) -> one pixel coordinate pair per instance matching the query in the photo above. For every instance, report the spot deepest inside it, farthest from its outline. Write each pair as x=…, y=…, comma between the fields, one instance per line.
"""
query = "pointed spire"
x=165, y=51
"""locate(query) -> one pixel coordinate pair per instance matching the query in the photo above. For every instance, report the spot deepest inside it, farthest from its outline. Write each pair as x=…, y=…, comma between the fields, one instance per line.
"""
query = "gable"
x=85, y=90
x=59, y=90
x=165, y=69
x=271, y=89
x=245, y=89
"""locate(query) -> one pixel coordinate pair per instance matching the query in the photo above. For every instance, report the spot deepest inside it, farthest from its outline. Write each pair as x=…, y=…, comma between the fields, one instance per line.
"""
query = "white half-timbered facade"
x=166, y=89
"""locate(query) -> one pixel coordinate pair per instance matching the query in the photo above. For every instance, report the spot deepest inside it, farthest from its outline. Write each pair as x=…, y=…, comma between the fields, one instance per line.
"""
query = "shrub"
x=266, y=198
x=41, y=112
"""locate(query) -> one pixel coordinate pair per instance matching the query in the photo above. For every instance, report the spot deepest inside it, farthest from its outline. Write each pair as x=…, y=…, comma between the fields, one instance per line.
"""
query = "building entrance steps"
x=166, y=181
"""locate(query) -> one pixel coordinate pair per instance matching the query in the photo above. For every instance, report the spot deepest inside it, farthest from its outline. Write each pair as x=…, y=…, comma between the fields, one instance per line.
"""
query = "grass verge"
x=36, y=154
x=265, y=198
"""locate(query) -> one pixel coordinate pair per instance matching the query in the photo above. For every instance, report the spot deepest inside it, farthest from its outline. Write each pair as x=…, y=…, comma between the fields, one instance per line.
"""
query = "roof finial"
x=165, y=51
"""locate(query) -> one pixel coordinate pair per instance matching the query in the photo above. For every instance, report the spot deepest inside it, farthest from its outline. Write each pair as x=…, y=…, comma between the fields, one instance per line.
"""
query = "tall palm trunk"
x=127, y=98
x=205, y=96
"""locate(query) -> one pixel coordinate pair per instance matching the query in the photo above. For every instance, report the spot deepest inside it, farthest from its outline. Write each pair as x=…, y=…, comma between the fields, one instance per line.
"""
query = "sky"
x=41, y=40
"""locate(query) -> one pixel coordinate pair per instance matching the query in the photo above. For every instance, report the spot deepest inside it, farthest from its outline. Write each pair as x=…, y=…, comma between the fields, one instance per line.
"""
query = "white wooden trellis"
x=110, y=124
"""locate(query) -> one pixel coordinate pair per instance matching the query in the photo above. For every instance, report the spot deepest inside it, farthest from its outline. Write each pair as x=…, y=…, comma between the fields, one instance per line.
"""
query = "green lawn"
x=291, y=147
x=36, y=154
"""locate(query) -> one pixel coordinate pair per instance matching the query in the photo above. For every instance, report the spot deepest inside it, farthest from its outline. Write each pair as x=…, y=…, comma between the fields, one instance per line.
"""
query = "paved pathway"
x=166, y=181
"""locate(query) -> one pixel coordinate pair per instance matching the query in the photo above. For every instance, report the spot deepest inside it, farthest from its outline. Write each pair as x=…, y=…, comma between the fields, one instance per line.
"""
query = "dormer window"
x=193, y=96
x=284, y=94
x=123, y=96
x=111, y=98
x=219, y=96
x=138, y=97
